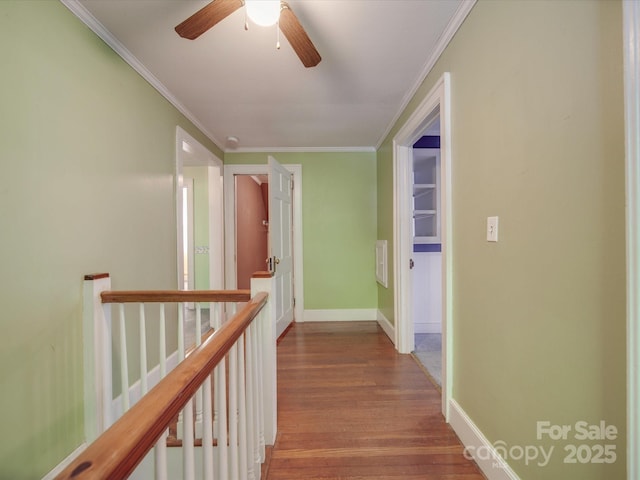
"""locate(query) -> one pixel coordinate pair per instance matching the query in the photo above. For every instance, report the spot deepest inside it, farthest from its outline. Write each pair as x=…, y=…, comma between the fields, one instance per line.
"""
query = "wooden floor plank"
x=351, y=408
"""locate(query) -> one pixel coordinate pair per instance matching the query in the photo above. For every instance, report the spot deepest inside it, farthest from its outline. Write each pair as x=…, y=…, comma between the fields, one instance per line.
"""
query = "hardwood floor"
x=351, y=407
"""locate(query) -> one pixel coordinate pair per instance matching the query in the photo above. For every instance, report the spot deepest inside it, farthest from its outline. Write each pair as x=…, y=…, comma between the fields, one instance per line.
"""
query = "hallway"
x=351, y=407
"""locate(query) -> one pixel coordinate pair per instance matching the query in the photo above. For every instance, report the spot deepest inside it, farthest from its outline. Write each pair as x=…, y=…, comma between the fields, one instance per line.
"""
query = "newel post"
x=264, y=282
x=96, y=324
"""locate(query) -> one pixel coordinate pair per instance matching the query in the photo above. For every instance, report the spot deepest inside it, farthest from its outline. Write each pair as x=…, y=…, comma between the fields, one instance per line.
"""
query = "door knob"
x=411, y=264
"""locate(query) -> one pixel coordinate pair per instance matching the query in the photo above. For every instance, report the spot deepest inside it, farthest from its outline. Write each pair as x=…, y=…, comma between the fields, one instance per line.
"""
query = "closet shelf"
x=426, y=201
x=423, y=213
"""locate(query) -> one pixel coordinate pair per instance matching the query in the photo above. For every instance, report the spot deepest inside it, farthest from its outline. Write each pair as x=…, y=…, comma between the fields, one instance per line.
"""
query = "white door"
x=280, y=261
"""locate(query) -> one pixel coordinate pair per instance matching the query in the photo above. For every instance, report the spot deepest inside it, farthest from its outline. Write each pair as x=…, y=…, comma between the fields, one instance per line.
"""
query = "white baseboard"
x=427, y=327
x=386, y=325
x=490, y=462
x=65, y=463
x=153, y=377
x=281, y=327
x=346, y=315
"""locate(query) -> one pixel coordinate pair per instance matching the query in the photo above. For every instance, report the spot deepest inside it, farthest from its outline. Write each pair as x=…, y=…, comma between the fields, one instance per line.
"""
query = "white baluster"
x=160, y=450
x=214, y=314
x=250, y=404
x=163, y=343
x=188, y=454
x=143, y=351
x=207, y=437
x=260, y=385
x=198, y=423
x=233, y=307
x=124, y=364
x=221, y=409
x=214, y=323
x=181, y=307
x=160, y=458
x=180, y=332
x=233, y=411
x=198, y=324
x=242, y=410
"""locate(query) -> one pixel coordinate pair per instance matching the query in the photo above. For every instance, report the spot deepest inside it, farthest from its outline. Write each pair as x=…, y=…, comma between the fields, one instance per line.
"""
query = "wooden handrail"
x=116, y=453
x=159, y=296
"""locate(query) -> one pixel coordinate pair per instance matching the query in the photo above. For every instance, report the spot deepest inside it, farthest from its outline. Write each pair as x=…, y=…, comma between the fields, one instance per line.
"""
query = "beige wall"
x=538, y=139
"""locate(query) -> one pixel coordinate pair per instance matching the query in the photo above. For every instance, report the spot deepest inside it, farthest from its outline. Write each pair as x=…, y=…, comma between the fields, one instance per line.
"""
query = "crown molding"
x=302, y=150
x=96, y=27
x=451, y=29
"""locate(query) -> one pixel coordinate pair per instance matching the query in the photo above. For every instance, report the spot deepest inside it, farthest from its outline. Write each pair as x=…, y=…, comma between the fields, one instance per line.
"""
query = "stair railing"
x=236, y=418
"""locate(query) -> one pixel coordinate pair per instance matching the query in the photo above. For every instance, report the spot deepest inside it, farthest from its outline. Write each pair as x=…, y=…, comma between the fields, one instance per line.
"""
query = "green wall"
x=339, y=226
x=88, y=160
x=538, y=139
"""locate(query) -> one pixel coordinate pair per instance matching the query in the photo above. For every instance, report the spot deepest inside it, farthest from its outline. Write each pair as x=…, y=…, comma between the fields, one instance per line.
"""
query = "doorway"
x=200, y=222
x=252, y=226
x=436, y=103
x=203, y=173
x=427, y=251
x=230, y=174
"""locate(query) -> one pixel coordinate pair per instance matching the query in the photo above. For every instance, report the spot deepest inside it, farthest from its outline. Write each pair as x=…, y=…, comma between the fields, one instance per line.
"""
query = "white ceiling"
x=233, y=82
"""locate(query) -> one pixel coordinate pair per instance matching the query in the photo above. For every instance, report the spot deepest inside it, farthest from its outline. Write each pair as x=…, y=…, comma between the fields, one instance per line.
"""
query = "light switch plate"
x=492, y=229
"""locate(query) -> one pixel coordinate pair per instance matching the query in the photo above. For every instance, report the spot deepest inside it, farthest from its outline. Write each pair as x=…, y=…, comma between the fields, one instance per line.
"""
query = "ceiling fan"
x=218, y=10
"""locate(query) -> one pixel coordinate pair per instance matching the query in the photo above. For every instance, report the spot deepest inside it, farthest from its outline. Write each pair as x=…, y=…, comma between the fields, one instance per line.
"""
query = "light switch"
x=492, y=229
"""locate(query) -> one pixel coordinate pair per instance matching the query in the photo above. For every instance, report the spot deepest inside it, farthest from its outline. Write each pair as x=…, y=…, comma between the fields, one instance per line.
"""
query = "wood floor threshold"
x=426, y=372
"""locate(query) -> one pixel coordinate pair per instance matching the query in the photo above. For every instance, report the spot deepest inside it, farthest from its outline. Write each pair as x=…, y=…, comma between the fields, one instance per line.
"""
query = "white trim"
x=57, y=470
x=386, y=325
x=281, y=326
x=302, y=150
x=230, y=230
x=216, y=226
x=631, y=38
x=92, y=22
x=456, y=22
x=188, y=184
x=490, y=462
x=341, y=315
x=425, y=113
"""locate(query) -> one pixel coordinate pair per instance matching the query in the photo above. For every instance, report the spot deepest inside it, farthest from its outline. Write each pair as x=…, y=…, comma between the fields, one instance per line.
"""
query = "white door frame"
x=190, y=152
x=631, y=37
x=187, y=186
x=436, y=102
x=230, y=231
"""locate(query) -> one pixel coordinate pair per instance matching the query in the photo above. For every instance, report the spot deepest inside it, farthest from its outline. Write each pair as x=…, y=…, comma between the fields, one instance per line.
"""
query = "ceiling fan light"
x=263, y=12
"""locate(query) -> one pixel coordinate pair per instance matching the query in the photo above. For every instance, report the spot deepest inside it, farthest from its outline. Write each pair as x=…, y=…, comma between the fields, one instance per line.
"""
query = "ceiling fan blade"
x=298, y=38
x=207, y=17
